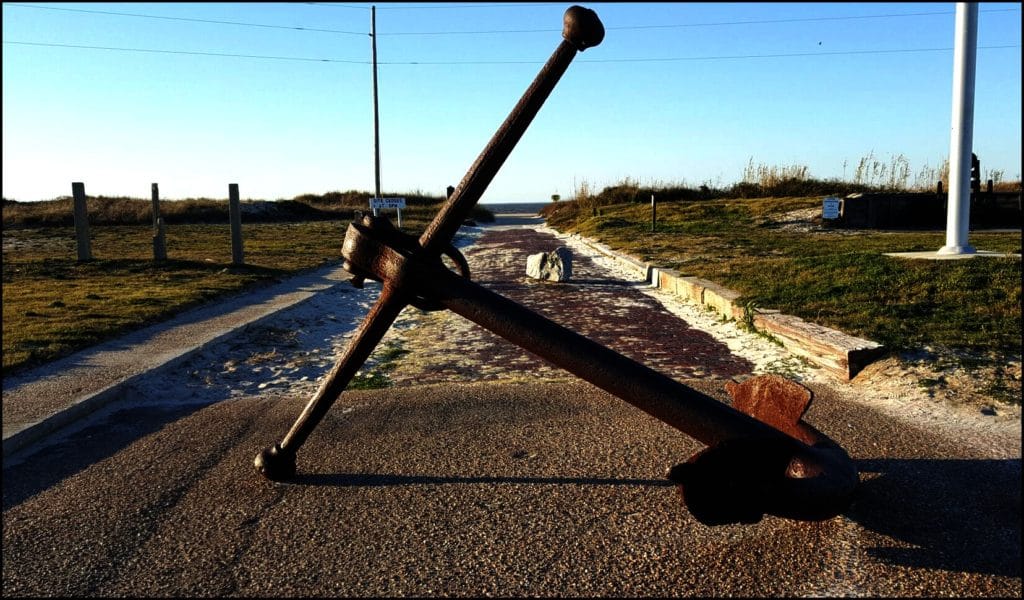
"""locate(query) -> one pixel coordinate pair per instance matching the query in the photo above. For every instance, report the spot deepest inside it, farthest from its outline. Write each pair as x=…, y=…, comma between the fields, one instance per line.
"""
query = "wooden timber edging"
x=840, y=354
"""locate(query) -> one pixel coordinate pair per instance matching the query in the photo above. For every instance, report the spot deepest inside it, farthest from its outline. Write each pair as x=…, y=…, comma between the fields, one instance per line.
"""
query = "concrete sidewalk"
x=44, y=399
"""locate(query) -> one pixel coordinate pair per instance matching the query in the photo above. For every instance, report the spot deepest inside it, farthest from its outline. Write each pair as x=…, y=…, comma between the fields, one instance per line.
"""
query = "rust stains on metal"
x=774, y=400
x=762, y=458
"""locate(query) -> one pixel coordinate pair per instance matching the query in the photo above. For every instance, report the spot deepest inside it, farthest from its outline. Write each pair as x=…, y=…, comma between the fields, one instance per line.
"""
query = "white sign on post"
x=379, y=203
x=830, y=208
x=376, y=203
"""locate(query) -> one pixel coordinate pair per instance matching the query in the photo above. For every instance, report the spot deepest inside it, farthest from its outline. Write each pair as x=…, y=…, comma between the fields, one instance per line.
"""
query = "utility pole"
x=376, y=118
x=965, y=50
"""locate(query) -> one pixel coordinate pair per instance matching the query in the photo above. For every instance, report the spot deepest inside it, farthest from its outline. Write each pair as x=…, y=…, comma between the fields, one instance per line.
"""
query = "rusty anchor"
x=762, y=458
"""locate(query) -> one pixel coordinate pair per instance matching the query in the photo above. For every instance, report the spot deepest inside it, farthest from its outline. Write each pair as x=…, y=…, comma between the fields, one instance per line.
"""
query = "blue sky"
x=678, y=93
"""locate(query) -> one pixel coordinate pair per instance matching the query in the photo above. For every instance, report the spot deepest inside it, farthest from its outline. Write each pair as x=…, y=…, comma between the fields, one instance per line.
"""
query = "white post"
x=965, y=49
x=654, y=214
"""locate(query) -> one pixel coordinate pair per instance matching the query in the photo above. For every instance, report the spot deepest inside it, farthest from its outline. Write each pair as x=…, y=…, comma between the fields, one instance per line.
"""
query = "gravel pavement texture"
x=457, y=480
x=488, y=489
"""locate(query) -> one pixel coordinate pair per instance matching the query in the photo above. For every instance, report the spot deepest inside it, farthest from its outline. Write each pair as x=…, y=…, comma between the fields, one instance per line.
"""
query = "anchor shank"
x=456, y=209
x=582, y=29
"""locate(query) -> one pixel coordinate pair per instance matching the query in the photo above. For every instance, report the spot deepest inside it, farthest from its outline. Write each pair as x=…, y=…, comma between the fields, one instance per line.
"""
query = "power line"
x=327, y=60
x=511, y=62
x=422, y=6
x=491, y=5
x=694, y=58
x=801, y=20
x=494, y=31
x=332, y=5
x=693, y=25
x=142, y=16
x=795, y=54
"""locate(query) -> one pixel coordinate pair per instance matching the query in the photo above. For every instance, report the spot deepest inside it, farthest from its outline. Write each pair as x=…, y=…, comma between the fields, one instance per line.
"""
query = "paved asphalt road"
x=483, y=490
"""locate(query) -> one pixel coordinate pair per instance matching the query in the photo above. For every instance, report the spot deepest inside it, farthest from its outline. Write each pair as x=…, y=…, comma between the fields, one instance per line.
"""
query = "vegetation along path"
x=954, y=325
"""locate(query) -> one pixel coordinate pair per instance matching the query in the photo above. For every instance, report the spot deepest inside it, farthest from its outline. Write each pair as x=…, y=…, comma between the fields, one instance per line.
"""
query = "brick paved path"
x=443, y=346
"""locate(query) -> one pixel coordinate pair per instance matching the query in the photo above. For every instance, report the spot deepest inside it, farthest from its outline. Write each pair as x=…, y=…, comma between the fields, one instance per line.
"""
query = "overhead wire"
x=485, y=62
x=685, y=25
x=424, y=6
x=505, y=62
x=494, y=31
x=188, y=19
x=151, y=50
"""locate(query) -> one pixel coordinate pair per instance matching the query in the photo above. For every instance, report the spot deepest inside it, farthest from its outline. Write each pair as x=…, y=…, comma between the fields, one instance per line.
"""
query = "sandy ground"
x=292, y=352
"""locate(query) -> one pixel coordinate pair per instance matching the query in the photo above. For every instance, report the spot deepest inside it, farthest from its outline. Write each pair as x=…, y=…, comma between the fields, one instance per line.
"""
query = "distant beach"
x=513, y=208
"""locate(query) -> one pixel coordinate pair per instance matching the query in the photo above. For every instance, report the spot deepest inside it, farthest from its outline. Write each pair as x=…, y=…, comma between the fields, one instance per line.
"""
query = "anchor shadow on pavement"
x=959, y=515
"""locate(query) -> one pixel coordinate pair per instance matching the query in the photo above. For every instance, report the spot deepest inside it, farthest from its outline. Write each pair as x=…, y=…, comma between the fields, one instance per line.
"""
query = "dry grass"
x=53, y=305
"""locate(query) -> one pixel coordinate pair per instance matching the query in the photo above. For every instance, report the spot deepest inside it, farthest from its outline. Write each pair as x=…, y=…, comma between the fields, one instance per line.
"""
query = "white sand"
x=291, y=352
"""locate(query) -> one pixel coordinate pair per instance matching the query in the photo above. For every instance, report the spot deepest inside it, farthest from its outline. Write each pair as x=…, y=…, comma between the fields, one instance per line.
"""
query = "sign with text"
x=387, y=203
x=830, y=208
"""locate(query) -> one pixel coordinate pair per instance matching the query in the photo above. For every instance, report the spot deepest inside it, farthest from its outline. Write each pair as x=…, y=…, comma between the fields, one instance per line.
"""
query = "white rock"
x=550, y=266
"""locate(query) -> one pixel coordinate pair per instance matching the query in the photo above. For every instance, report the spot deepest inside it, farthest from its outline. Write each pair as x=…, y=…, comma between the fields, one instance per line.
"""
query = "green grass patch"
x=53, y=305
x=375, y=372
x=838, y=279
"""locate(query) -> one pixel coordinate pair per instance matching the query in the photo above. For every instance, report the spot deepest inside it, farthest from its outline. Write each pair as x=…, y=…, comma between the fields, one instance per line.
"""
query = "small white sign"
x=387, y=202
x=830, y=208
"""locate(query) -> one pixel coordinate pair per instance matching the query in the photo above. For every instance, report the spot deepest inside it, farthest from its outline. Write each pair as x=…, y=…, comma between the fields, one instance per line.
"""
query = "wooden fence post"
x=235, y=214
x=159, y=241
x=159, y=232
x=156, y=203
x=654, y=213
x=81, y=221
